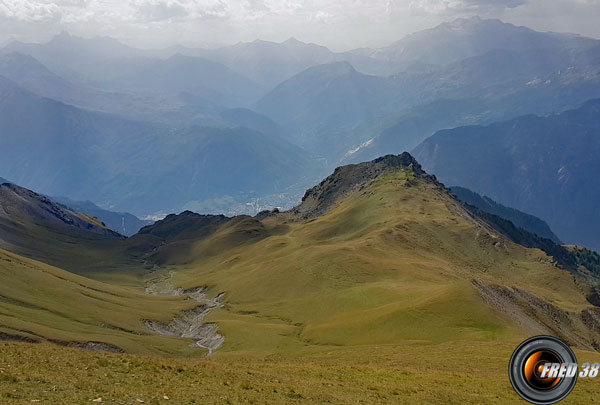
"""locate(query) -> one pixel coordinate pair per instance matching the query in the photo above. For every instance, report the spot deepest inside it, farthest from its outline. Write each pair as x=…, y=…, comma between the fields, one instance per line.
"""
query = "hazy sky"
x=339, y=24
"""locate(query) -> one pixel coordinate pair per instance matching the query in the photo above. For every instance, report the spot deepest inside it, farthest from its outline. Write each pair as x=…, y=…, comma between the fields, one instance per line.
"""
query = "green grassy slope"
x=394, y=260
x=39, y=302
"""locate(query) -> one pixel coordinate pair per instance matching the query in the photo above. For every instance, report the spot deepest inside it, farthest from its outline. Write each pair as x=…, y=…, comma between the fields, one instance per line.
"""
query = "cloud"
x=499, y=4
x=322, y=16
x=461, y=6
x=341, y=24
x=153, y=11
x=30, y=11
x=161, y=10
x=73, y=3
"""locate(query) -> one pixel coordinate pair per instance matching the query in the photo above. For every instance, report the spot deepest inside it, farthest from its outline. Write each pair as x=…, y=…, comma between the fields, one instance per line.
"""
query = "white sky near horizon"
x=338, y=24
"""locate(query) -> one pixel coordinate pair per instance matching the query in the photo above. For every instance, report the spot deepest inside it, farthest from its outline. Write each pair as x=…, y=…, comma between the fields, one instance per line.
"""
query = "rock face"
x=345, y=179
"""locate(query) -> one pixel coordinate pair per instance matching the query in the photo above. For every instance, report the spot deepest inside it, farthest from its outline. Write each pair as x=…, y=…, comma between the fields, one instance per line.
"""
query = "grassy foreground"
x=465, y=373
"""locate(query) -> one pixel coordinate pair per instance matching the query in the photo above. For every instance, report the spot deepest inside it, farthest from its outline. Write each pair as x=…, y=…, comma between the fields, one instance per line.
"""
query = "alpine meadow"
x=271, y=202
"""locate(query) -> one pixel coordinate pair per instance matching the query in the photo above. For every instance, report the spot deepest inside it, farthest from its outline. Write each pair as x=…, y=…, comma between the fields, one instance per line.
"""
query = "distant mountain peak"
x=467, y=24
x=100, y=45
x=293, y=41
x=460, y=39
x=67, y=36
x=64, y=37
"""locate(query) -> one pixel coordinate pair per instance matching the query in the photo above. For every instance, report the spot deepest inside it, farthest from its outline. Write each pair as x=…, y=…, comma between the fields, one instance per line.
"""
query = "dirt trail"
x=188, y=324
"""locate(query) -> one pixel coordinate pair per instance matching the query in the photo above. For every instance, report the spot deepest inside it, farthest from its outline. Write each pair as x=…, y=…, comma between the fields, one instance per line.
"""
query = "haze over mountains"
x=250, y=126
x=546, y=166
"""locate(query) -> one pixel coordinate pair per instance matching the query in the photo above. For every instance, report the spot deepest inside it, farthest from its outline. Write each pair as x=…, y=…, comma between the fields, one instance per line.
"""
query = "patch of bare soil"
x=189, y=324
x=541, y=317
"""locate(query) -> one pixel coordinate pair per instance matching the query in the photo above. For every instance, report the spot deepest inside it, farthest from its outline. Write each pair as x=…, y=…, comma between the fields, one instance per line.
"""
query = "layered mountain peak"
x=464, y=38
x=293, y=41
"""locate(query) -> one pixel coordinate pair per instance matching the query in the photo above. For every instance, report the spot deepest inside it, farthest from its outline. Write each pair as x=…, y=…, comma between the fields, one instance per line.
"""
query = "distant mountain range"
x=271, y=63
x=267, y=63
x=150, y=131
x=507, y=71
x=464, y=38
x=60, y=149
x=74, y=57
x=546, y=166
x=30, y=74
x=135, y=166
x=177, y=74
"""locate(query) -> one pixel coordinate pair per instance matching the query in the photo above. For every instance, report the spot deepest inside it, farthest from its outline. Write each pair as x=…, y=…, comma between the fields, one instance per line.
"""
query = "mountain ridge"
x=463, y=38
x=19, y=203
x=122, y=222
x=547, y=163
x=523, y=220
